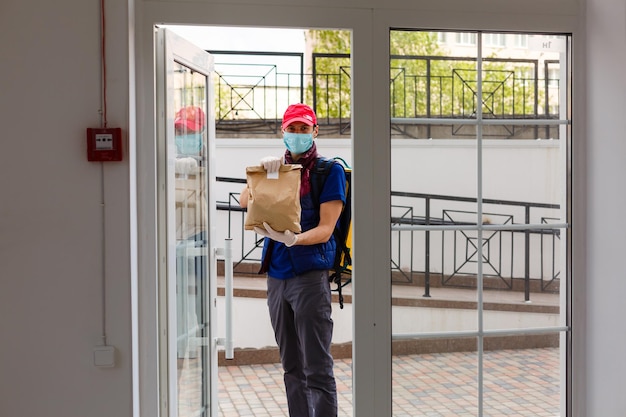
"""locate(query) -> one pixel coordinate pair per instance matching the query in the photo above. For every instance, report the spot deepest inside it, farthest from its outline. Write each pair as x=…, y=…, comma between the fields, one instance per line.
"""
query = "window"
x=465, y=38
x=520, y=40
x=479, y=229
x=553, y=77
x=495, y=39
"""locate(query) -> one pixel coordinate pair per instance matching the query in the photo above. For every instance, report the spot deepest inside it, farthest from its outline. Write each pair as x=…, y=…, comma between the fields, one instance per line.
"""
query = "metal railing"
x=251, y=97
x=514, y=258
x=510, y=253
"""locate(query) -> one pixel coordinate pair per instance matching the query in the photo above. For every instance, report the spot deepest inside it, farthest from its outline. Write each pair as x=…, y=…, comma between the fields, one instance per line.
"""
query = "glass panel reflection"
x=525, y=175
x=434, y=180
x=432, y=77
x=191, y=239
x=479, y=160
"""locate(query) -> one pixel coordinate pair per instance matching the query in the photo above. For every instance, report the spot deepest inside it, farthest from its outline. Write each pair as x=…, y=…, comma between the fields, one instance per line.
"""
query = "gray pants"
x=300, y=312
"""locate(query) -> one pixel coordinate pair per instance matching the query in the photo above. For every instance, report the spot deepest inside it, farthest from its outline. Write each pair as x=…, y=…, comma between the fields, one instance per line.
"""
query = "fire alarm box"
x=104, y=144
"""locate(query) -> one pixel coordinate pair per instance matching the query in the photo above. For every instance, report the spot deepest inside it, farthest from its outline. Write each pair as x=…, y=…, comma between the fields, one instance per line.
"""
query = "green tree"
x=332, y=74
x=425, y=80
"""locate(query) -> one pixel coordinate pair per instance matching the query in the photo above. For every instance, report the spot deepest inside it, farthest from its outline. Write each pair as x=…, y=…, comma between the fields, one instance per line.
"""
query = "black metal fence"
x=252, y=96
x=512, y=258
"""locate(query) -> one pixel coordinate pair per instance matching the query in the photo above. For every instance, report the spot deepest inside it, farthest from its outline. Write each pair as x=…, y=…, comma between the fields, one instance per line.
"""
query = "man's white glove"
x=287, y=237
x=272, y=163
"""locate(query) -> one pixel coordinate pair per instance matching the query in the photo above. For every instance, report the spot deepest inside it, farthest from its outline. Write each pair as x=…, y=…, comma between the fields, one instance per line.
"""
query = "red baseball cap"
x=299, y=113
x=191, y=118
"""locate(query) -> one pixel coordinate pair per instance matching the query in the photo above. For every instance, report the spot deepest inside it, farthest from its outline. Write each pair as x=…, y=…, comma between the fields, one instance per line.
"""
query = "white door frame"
x=370, y=26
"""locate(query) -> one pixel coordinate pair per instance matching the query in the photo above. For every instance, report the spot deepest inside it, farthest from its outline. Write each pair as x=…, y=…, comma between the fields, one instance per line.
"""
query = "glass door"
x=187, y=268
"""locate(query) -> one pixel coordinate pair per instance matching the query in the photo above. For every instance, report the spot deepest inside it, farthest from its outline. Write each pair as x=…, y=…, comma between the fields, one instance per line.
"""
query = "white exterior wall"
x=534, y=163
x=531, y=166
x=515, y=170
x=51, y=239
x=253, y=328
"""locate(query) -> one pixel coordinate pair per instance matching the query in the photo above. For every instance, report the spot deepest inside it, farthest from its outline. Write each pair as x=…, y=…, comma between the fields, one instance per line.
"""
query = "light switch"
x=104, y=356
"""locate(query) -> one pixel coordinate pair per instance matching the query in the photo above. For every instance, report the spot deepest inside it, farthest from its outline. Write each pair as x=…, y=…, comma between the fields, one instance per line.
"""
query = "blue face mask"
x=190, y=144
x=298, y=143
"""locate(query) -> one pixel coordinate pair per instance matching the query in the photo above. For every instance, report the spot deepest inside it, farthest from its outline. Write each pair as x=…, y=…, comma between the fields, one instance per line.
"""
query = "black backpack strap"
x=318, y=179
x=336, y=278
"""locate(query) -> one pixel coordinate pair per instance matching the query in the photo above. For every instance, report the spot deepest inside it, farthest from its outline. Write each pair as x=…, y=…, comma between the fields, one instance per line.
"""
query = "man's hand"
x=272, y=163
x=287, y=237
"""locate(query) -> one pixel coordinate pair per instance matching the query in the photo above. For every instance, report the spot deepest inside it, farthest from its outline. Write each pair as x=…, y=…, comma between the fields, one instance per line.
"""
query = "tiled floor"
x=517, y=383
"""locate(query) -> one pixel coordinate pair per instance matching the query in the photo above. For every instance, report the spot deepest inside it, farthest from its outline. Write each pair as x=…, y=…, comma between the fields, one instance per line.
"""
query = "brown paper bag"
x=274, y=198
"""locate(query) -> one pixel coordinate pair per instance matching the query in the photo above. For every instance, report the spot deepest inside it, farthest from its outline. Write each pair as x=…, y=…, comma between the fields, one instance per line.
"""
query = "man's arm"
x=329, y=214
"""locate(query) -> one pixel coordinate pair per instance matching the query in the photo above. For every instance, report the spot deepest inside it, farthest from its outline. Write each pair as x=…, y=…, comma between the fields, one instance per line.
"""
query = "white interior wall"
x=51, y=239
x=441, y=167
x=50, y=213
x=253, y=328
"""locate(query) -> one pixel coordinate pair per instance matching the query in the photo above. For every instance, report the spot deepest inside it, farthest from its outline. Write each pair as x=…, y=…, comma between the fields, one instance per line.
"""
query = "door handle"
x=227, y=341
